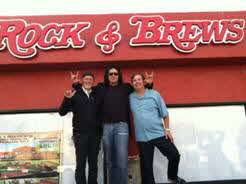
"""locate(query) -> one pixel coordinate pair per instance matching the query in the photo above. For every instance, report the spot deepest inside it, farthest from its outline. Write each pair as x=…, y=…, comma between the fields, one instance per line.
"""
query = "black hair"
x=106, y=74
x=88, y=74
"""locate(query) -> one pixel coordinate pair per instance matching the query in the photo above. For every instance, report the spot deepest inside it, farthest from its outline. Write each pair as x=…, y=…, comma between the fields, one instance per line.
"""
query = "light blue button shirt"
x=148, y=113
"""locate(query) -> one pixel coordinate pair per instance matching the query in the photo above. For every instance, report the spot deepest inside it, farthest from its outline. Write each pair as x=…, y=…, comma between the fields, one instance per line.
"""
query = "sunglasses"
x=113, y=73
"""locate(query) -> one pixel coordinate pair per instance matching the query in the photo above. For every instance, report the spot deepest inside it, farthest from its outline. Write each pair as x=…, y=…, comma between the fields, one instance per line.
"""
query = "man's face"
x=138, y=82
x=87, y=82
x=113, y=76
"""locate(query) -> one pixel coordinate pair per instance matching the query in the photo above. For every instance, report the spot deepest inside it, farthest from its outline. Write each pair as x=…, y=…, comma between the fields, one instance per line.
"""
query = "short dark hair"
x=137, y=73
x=88, y=74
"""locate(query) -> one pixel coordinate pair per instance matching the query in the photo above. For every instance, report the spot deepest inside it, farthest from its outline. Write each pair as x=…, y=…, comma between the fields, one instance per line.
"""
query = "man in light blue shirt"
x=151, y=122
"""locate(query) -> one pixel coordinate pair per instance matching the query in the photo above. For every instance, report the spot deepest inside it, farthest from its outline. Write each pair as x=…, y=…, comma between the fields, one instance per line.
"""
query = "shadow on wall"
x=211, y=150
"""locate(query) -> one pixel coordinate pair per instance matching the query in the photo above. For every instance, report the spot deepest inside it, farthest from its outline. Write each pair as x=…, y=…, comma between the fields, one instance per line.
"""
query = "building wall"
x=209, y=76
x=213, y=73
x=178, y=83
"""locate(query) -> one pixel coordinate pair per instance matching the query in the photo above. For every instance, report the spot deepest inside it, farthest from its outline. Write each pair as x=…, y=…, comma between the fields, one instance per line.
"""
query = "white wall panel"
x=211, y=141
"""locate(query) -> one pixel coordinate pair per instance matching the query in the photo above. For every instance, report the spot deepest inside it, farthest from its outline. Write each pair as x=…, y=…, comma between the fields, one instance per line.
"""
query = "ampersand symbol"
x=108, y=38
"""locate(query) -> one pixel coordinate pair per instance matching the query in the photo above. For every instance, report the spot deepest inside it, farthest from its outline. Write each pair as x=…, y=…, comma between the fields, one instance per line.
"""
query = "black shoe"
x=177, y=181
x=180, y=181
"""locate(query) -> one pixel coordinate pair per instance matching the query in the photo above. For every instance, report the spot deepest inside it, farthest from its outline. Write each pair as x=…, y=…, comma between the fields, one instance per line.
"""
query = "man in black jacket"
x=86, y=127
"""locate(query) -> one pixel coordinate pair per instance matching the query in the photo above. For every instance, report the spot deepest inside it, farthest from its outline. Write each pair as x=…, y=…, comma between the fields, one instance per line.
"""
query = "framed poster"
x=38, y=148
x=30, y=148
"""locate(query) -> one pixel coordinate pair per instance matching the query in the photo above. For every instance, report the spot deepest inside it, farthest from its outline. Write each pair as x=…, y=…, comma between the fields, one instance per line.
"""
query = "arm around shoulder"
x=76, y=85
x=149, y=85
x=66, y=106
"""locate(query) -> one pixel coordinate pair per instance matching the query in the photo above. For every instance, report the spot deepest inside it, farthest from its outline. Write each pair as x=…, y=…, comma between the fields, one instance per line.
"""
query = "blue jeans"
x=115, y=145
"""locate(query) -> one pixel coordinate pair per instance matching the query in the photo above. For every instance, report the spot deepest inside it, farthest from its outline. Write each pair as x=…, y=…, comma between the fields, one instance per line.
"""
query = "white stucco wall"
x=51, y=7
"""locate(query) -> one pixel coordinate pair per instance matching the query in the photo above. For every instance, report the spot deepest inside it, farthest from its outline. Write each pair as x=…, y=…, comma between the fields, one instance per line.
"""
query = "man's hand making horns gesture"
x=75, y=78
x=149, y=77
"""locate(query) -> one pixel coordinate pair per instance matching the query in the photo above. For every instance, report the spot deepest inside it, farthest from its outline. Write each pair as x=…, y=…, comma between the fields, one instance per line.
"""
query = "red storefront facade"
x=199, y=58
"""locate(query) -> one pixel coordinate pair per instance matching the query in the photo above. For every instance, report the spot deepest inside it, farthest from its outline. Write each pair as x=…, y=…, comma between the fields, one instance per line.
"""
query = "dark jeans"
x=167, y=148
x=86, y=147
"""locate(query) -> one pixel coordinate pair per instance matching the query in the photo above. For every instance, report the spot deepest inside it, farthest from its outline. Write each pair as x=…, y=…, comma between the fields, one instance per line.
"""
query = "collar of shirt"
x=87, y=92
x=146, y=93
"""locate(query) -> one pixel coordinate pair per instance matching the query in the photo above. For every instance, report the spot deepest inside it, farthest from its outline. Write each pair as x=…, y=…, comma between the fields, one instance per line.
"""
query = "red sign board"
x=117, y=37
